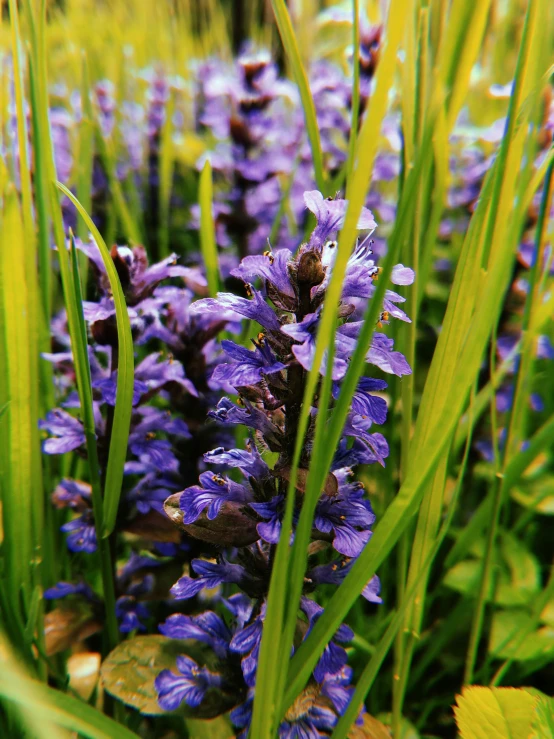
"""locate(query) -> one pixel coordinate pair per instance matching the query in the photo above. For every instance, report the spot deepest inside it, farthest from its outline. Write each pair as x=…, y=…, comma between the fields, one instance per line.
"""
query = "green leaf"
x=507, y=626
x=517, y=578
x=542, y=724
x=536, y=495
x=494, y=713
x=125, y=378
x=129, y=672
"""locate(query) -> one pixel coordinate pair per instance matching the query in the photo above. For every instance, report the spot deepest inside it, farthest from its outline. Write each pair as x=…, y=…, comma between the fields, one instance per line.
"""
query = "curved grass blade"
x=43, y=708
x=125, y=378
x=290, y=45
x=207, y=228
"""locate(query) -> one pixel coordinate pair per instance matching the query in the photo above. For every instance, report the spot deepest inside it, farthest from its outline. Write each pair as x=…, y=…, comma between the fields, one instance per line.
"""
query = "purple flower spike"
x=191, y=685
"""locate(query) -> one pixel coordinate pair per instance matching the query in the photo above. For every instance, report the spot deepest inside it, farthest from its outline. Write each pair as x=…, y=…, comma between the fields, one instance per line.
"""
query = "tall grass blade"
x=43, y=708
x=125, y=378
x=207, y=228
x=20, y=489
x=290, y=45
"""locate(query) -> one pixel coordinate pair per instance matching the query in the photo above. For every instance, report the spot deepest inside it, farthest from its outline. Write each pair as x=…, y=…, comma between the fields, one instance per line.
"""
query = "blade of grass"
x=125, y=378
x=371, y=670
x=290, y=45
x=85, y=159
x=207, y=228
x=167, y=163
x=84, y=386
x=44, y=707
x=18, y=486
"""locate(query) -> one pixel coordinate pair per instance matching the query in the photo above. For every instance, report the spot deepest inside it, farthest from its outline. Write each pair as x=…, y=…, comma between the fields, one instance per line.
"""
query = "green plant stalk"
x=290, y=45
x=413, y=248
x=208, y=244
x=125, y=379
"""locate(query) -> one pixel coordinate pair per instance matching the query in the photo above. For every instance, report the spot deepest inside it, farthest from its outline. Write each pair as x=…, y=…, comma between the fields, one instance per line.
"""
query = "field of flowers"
x=276, y=369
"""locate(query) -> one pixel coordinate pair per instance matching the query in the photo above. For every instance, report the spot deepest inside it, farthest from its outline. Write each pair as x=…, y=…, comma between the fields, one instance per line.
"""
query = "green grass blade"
x=85, y=159
x=207, y=228
x=84, y=385
x=125, y=378
x=290, y=45
x=167, y=163
x=43, y=708
x=371, y=670
x=19, y=427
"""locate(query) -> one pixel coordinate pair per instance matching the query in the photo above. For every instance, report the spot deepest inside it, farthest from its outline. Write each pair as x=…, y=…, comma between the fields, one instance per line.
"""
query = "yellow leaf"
x=494, y=713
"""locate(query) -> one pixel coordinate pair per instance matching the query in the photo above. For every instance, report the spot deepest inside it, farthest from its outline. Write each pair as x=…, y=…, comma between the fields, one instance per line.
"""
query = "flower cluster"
x=172, y=392
x=242, y=513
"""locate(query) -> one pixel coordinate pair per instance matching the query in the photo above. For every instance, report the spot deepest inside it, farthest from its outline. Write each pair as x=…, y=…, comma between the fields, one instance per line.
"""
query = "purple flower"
x=272, y=512
x=271, y=267
x=210, y=576
x=249, y=462
x=227, y=304
x=63, y=589
x=348, y=517
x=306, y=332
x=207, y=627
x=82, y=533
x=249, y=416
x=249, y=366
x=364, y=402
x=356, y=426
x=213, y=491
x=68, y=432
x=191, y=685
x=330, y=216
x=130, y=612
